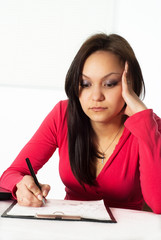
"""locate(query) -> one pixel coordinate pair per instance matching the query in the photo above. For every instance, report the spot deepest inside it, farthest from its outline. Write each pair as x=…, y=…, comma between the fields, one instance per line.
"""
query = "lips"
x=98, y=109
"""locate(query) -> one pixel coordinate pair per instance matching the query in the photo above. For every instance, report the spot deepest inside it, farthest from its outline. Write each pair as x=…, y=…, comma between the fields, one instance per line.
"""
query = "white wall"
x=22, y=111
x=139, y=21
x=38, y=40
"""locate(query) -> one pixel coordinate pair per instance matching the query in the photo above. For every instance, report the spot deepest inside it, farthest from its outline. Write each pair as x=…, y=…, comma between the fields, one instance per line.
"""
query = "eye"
x=85, y=83
x=110, y=83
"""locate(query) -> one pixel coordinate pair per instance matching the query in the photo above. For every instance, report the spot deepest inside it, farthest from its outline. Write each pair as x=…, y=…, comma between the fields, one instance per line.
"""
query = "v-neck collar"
x=126, y=133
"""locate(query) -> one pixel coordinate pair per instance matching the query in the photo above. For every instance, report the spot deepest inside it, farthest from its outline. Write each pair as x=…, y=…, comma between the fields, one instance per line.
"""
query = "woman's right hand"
x=28, y=193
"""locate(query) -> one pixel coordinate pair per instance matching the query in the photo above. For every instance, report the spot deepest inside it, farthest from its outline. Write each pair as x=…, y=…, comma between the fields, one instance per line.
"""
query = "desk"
x=132, y=225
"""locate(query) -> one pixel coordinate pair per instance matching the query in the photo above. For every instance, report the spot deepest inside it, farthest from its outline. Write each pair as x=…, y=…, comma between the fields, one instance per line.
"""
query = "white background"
x=38, y=41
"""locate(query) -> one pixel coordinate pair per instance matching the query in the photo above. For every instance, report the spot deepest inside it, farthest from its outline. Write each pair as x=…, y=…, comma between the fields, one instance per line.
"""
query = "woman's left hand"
x=133, y=102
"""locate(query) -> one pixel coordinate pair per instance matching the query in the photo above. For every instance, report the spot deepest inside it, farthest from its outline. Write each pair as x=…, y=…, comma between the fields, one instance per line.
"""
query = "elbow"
x=156, y=209
x=153, y=200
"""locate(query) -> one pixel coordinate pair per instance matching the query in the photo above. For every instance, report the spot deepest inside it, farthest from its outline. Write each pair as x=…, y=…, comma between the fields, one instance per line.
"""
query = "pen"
x=34, y=176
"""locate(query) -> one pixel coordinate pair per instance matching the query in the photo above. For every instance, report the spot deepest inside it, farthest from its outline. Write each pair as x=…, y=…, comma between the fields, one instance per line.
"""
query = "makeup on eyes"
x=111, y=82
x=84, y=83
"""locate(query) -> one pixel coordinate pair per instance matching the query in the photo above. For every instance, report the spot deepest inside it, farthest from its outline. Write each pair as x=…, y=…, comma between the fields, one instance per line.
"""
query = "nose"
x=97, y=94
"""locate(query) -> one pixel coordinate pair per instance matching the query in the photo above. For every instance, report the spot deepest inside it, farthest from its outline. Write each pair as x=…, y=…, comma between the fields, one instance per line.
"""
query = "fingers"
x=124, y=78
x=26, y=198
x=126, y=83
x=28, y=194
x=45, y=188
x=133, y=103
x=32, y=187
x=126, y=67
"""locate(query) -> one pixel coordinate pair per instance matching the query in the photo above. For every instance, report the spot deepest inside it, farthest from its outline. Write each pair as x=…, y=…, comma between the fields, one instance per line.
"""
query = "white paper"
x=85, y=209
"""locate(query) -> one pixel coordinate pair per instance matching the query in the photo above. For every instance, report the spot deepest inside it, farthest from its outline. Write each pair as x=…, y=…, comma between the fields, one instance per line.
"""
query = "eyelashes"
x=85, y=84
x=106, y=83
x=110, y=83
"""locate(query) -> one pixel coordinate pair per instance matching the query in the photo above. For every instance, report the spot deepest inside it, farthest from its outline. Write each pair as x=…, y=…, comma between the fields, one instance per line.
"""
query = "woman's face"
x=100, y=91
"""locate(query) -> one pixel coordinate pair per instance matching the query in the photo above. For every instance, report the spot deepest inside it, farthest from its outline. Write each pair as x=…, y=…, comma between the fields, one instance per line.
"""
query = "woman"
x=109, y=142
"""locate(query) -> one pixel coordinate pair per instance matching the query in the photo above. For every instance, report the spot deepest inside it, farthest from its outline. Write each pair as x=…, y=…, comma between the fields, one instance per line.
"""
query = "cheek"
x=119, y=97
x=116, y=99
x=120, y=102
x=83, y=98
x=83, y=102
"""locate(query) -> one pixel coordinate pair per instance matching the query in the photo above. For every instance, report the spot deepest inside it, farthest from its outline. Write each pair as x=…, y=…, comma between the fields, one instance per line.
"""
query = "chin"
x=101, y=120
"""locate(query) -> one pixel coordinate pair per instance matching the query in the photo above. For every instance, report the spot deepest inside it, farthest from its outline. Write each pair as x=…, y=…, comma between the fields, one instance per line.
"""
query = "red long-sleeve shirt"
x=131, y=175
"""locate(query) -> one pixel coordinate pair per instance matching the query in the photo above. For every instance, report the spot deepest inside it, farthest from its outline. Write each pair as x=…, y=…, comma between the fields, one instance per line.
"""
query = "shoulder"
x=61, y=105
x=57, y=115
x=158, y=121
x=60, y=108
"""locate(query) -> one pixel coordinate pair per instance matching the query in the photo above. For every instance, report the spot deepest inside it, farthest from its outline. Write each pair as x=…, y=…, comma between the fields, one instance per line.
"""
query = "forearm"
x=147, y=130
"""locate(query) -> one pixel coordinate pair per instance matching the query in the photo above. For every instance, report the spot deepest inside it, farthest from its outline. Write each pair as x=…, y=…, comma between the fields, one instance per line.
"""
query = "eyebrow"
x=108, y=75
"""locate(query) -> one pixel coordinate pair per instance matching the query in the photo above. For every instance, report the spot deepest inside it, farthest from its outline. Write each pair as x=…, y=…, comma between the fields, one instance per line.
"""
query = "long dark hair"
x=81, y=148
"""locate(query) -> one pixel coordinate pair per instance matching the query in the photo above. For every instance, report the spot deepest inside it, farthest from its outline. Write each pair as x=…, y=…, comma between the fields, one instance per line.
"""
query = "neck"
x=105, y=130
x=106, y=138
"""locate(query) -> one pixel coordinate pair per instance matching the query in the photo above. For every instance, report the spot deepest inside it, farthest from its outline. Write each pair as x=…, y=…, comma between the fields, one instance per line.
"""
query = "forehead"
x=102, y=62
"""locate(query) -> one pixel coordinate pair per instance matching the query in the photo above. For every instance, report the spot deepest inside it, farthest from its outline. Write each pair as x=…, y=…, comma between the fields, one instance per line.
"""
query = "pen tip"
x=43, y=200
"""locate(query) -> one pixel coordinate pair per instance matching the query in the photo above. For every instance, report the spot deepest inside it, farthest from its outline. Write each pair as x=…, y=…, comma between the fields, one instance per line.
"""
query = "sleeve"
x=39, y=149
x=146, y=127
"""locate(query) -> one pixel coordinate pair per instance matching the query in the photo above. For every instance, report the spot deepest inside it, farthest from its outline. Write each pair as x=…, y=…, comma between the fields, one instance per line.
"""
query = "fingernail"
x=44, y=193
x=126, y=67
x=40, y=197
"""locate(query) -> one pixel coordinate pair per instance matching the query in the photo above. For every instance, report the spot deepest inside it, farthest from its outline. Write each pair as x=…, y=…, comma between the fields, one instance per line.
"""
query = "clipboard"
x=60, y=215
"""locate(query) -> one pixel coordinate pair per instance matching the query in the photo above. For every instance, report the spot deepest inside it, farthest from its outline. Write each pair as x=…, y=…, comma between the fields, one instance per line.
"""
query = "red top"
x=131, y=175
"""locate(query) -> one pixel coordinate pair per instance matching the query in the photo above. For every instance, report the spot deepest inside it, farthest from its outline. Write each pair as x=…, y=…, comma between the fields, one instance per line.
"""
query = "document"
x=63, y=210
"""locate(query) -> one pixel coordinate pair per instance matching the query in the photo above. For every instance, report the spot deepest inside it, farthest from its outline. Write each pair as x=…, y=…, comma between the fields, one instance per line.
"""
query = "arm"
x=39, y=149
x=146, y=126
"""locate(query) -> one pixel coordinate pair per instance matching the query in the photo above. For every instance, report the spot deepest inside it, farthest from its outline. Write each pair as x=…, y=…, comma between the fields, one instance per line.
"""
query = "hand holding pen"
x=40, y=197
x=29, y=191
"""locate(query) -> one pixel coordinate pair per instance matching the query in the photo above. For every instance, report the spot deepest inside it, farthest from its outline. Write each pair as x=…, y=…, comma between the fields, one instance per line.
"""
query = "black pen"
x=34, y=176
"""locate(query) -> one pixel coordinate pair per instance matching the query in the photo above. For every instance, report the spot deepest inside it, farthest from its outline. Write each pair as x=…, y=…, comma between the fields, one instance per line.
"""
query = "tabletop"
x=131, y=225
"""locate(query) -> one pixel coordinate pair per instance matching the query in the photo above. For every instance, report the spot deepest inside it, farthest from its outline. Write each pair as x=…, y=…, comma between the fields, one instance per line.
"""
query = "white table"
x=131, y=225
